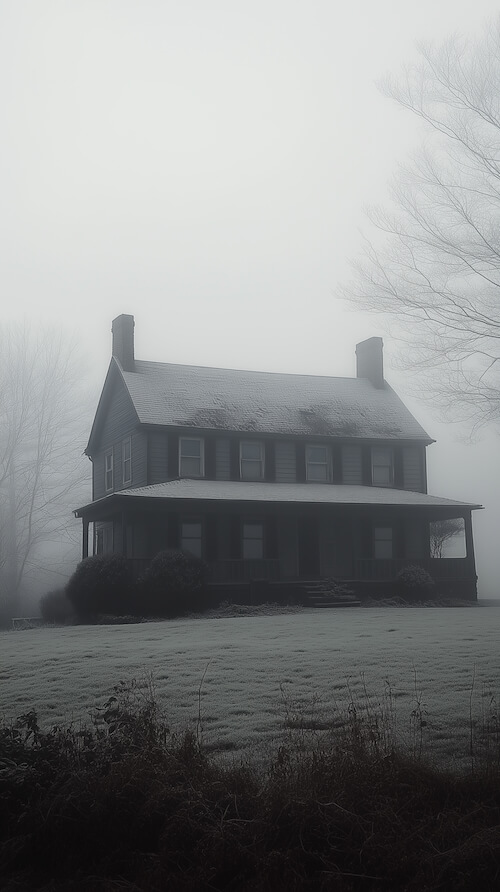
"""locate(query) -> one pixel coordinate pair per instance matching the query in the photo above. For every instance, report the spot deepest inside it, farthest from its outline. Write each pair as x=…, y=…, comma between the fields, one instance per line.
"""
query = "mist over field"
x=207, y=169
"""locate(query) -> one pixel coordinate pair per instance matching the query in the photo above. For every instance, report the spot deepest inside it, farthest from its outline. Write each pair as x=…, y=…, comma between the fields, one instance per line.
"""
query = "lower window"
x=253, y=540
x=191, y=537
x=382, y=543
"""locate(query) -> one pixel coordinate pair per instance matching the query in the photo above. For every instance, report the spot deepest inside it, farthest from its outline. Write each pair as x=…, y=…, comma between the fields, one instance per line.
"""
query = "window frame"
x=201, y=457
x=327, y=463
x=126, y=442
x=390, y=465
x=261, y=461
x=191, y=521
x=253, y=522
x=383, y=540
x=109, y=470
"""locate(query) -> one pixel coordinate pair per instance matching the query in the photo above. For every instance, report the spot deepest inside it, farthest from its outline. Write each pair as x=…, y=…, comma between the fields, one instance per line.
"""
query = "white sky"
x=204, y=165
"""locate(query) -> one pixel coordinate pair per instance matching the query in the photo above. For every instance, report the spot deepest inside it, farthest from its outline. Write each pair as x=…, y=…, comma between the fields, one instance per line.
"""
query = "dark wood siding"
x=222, y=459
x=352, y=465
x=269, y=461
x=120, y=422
x=234, y=457
x=173, y=456
x=366, y=465
x=398, y=468
x=300, y=453
x=210, y=460
x=157, y=457
x=336, y=464
x=413, y=468
x=285, y=461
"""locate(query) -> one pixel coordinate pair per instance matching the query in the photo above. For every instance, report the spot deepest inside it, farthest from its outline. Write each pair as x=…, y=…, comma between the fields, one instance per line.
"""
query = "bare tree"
x=42, y=419
x=442, y=531
x=433, y=261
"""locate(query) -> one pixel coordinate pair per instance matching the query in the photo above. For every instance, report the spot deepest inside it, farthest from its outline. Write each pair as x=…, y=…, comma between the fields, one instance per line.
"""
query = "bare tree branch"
x=433, y=263
x=43, y=417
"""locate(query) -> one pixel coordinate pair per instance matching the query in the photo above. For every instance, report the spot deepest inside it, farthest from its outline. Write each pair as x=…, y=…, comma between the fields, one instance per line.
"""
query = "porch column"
x=469, y=543
x=85, y=542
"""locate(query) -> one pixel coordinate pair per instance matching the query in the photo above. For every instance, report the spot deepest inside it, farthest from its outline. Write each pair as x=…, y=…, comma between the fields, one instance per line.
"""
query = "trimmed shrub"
x=172, y=585
x=100, y=584
x=55, y=607
x=413, y=583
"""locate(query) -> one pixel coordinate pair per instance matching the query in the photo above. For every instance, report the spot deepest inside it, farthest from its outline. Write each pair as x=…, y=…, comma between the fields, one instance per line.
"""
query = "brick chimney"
x=370, y=361
x=123, y=341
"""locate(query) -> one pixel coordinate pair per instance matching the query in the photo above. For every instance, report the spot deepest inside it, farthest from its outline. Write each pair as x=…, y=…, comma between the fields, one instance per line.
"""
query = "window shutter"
x=173, y=540
x=269, y=461
x=210, y=458
x=271, y=537
x=337, y=464
x=235, y=537
x=366, y=460
x=235, y=459
x=211, y=537
x=366, y=538
x=398, y=540
x=398, y=468
x=301, y=462
x=173, y=456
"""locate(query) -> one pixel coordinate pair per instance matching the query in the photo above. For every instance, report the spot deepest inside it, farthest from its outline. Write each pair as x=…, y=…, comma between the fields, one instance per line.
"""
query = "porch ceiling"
x=278, y=493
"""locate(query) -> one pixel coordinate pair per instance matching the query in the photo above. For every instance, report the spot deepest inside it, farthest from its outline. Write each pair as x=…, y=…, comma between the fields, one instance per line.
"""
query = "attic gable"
x=115, y=406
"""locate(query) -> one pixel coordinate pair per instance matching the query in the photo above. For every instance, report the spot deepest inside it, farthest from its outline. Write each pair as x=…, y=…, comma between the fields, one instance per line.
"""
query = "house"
x=267, y=476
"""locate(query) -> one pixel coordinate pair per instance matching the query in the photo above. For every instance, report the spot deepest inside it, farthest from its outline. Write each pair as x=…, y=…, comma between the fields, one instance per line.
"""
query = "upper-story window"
x=382, y=466
x=251, y=460
x=108, y=471
x=191, y=457
x=127, y=460
x=318, y=463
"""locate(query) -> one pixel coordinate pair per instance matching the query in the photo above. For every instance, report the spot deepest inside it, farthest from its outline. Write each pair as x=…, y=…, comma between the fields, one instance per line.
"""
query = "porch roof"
x=279, y=493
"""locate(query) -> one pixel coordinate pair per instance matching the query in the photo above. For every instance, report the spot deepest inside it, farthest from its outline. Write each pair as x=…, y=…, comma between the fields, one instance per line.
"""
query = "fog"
x=206, y=167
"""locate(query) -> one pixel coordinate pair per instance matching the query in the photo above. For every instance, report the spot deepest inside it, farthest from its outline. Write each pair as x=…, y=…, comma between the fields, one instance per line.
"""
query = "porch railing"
x=224, y=571
x=243, y=570
x=438, y=568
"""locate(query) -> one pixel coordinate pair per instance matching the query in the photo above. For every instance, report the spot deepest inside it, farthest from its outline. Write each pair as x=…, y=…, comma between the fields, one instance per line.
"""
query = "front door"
x=308, y=542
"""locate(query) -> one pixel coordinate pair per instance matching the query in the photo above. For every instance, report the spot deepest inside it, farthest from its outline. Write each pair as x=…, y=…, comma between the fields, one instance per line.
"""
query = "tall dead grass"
x=126, y=804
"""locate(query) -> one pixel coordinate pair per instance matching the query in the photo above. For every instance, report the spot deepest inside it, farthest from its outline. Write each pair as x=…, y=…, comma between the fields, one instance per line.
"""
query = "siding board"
x=158, y=458
x=222, y=459
x=286, y=468
x=412, y=469
x=352, y=466
x=120, y=422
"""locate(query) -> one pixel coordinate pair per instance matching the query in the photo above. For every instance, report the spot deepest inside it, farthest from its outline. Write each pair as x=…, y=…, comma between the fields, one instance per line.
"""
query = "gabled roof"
x=114, y=378
x=267, y=403
x=281, y=493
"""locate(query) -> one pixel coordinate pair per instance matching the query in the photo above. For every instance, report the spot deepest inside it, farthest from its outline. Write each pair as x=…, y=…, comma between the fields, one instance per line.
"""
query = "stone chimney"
x=370, y=361
x=123, y=341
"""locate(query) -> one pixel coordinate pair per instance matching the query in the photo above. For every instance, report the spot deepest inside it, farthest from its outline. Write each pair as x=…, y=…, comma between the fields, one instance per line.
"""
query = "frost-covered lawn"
x=250, y=673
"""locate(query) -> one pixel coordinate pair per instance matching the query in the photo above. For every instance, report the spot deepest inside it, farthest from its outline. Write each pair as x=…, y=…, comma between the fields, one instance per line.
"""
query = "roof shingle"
x=268, y=403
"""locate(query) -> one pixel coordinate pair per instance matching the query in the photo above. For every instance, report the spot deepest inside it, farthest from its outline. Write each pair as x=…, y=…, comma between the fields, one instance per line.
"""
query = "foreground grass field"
x=429, y=678
x=124, y=804
x=281, y=752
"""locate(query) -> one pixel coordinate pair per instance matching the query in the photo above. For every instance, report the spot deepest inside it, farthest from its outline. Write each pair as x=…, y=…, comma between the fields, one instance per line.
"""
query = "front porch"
x=358, y=535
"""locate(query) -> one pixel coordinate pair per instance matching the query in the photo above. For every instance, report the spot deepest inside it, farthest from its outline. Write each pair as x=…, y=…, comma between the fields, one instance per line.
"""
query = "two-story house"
x=265, y=475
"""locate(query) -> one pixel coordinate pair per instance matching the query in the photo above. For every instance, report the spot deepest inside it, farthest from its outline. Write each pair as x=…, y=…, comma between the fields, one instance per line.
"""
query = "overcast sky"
x=204, y=165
